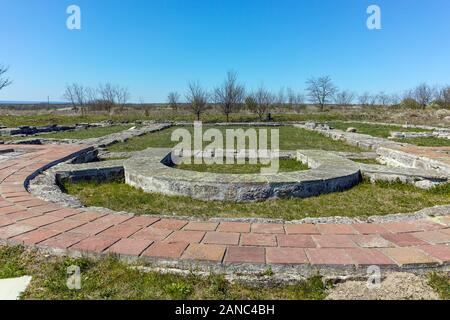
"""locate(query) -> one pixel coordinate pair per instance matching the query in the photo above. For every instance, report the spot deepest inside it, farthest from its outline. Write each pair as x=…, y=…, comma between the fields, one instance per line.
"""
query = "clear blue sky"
x=154, y=46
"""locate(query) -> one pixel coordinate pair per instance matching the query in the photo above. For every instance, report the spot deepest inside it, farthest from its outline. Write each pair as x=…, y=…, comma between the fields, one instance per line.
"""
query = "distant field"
x=376, y=130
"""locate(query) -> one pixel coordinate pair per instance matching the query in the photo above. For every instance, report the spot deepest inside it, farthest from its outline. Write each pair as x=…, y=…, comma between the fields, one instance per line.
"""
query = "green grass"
x=109, y=278
x=365, y=199
x=286, y=165
x=366, y=161
x=376, y=130
x=426, y=142
x=290, y=139
x=75, y=134
x=440, y=282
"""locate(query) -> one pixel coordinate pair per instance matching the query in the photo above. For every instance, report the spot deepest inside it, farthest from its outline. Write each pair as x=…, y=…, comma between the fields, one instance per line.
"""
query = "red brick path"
x=27, y=220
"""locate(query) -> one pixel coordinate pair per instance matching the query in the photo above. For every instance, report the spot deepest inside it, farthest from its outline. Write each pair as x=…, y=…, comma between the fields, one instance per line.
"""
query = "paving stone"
x=64, y=213
x=34, y=237
x=433, y=237
x=402, y=227
x=329, y=256
x=334, y=241
x=92, y=228
x=150, y=233
x=14, y=230
x=408, y=256
x=130, y=247
x=369, y=228
x=371, y=241
x=121, y=230
x=301, y=229
x=87, y=216
x=226, y=238
x=286, y=256
x=236, y=254
x=64, y=240
x=23, y=215
x=204, y=252
x=201, y=226
x=166, y=250
x=267, y=228
x=252, y=239
x=4, y=221
x=41, y=221
x=241, y=227
x=298, y=241
x=362, y=256
x=440, y=252
x=403, y=239
x=336, y=229
x=170, y=224
x=186, y=236
x=95, y=244
x=141, y=221
x=11, y=209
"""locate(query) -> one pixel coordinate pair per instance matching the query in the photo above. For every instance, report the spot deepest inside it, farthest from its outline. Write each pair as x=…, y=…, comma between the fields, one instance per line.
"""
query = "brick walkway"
x=25, y=219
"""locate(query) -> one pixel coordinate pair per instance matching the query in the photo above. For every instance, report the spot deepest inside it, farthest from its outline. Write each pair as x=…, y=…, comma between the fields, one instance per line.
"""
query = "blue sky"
x=155, y=46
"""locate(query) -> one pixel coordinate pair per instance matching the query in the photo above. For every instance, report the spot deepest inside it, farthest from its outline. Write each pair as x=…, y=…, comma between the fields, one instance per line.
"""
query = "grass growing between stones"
x=366, y=161
x=109, y=278
x=376, y=130
x=286, y=165
x=365, y=199
x=291, y=138
x=75, y=134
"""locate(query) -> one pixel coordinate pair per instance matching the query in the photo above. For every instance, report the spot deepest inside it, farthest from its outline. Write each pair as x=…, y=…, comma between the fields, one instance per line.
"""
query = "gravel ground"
x=396, y=286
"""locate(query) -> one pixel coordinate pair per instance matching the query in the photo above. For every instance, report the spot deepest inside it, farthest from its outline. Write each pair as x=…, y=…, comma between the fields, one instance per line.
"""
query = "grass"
x=286, y=165
x=109, y=278
x=75, y=134
x=427, y=142
x=376, y=130
x=365, y=199
x=440, y=282
x=291, y=138
x=366, y=161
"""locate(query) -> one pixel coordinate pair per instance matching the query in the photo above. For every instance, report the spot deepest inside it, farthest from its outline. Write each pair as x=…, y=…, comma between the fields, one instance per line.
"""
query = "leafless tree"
x=4, y=81
x=280, y=99
x=394, y=99
x=344, y=98
x=320, y=90
x=122, y=96
x=423, y=94
x=294, y=99
x=382, y=99
x=173, y=99
x=197, y=97
x=444, y=96
x=364, y=99
x=76, y=94
x=263, y=101
x=230, y=95
x=107, y=94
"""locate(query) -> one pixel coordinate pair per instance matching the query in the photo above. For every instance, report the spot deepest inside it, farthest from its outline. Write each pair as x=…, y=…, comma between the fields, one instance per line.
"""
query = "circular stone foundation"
x=329, y=172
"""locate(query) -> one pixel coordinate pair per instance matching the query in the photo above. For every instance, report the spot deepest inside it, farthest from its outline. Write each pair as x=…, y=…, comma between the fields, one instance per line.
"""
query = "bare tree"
x=423, y=94
x=444, y=96
x=344, y=98
x=364, y=99
x=122, y=96
x=197, y=98
x=280, y=99
x=107, y=94
x=394, y=99
x=76, y=94
x=294, y=99
x=173, y=99
x=230, y=95
x=4, y=81
x=263, y=102
x=320, y=90
x=382, y=99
